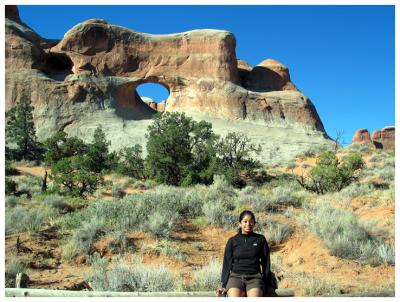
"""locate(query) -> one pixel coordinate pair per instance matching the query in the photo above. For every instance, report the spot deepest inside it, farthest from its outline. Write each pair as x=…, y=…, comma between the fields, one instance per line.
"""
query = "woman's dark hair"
x=246, y=213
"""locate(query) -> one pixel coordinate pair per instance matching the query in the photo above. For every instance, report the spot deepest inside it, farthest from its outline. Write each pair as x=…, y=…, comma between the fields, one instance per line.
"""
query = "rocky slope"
x=90, y=78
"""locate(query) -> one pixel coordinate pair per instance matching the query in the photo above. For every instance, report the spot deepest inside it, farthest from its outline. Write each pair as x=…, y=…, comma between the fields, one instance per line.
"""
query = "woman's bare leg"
x=235, y=292
x=255, y=292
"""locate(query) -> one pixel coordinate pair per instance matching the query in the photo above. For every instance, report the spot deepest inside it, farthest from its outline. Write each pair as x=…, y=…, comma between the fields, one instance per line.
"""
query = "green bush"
x=10, y=168
x=183, y=152
x=60, y=146
x=330, y=174
x=10, y=186
x=173, y=140
x=72, y=176
x=131, y=162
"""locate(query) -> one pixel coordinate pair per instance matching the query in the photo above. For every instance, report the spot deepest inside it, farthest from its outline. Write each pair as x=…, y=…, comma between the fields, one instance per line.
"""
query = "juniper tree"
x=20, y=128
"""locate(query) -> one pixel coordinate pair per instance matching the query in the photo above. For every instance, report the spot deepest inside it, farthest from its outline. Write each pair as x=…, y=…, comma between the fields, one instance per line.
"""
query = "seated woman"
x=246, y=262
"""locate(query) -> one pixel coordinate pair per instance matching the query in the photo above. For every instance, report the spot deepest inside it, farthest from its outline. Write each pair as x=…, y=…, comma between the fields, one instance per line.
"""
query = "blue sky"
x=341, y=57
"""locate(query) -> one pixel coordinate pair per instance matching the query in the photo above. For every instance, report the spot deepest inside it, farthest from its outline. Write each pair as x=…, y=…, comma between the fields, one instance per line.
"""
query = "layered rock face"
x=381, y=139
x=91, y=76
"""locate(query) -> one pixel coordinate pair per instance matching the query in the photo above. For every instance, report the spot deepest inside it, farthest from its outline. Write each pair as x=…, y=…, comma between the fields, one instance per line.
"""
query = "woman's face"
x=247, y=224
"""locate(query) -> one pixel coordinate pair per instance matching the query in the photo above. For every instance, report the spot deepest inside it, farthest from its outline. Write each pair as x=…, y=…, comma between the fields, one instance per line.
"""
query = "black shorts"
x=245, y=282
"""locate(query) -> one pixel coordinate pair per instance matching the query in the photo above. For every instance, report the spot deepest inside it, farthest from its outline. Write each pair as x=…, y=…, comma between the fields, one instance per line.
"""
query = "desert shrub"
x=13, y=267
x=387, y=253
x=10, y=168
x=21, y=219
x=354, y=190
x=124, y=276
x=254, y=199
x=57, y=202
x=11, y=201
x=85, y=236
x=166, y=248
x=375, y=158
x=117, y=190
x=387, y=173
x=276, y=232
x=10, y=186
x=32, y=184
x=207, y=278
x=156, y=211
x=316, y=287
x=359, y=148
x=313, y=151
x=120, y=243
x=218, y=215
x=347, y=237
x=389, y=161
x=160, y=225
x=221, y=185
x=278, y=199
x=143, y=184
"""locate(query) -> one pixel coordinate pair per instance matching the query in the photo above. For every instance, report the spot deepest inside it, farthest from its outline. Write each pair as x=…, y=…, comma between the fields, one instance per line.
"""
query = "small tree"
x=60, y=146
x=20, y=128
x=97, y=152
x=71, y=175
x=131, y=162
x=330, y=174
x=172, y=141
x=234, y=155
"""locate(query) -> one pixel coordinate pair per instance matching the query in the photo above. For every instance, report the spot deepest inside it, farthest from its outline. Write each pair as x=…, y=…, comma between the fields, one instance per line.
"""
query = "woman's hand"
x=220, y=291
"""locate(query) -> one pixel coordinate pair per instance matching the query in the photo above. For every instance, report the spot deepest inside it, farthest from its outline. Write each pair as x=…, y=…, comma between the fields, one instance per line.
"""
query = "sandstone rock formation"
x=91, y=76
x=388, y=138
x=381, y=139
x=361, y=136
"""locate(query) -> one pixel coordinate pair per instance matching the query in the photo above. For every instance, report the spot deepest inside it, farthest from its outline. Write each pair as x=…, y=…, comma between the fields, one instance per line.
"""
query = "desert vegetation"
x=120, y=221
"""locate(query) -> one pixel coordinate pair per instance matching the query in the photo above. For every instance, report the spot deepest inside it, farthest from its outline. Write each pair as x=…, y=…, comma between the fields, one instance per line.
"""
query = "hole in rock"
x=152, y=92
x=58, y=65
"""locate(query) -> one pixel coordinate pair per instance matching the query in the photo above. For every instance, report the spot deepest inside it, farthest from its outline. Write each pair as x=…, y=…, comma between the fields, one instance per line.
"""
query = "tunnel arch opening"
x=58, y=65
x=154, y=94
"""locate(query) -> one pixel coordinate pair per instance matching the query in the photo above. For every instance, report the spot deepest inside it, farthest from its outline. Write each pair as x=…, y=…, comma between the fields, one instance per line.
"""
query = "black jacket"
x=246, y=254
